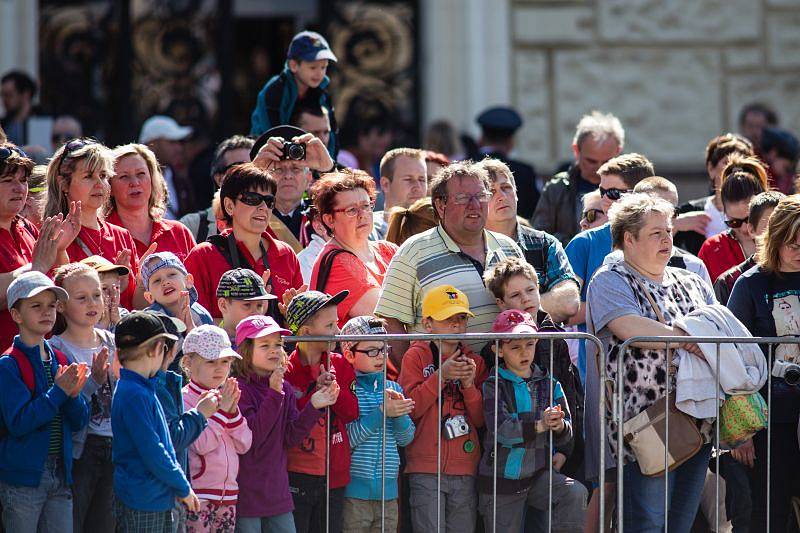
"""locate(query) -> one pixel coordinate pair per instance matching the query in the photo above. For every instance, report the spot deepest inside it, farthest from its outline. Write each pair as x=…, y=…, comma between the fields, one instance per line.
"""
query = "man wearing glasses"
x=587, y=250
x=456, y=252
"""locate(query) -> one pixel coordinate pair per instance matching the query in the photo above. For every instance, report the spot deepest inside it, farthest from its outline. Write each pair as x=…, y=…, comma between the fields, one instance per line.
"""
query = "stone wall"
x=676, y=72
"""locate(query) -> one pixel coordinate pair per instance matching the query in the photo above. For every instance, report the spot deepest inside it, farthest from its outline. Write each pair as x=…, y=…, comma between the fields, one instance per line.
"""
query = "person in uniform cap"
x=498, y=126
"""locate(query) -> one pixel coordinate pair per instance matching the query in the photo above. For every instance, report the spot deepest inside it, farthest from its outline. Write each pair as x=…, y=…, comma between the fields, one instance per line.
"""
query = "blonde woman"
x=79, y=173
x=138, y=201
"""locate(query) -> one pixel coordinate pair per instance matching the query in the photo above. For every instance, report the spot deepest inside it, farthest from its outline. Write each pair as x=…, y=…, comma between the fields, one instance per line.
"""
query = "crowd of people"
x=146, y=383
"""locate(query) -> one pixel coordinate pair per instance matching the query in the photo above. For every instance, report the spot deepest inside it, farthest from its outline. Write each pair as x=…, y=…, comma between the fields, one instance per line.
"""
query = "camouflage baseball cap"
x=243, y=284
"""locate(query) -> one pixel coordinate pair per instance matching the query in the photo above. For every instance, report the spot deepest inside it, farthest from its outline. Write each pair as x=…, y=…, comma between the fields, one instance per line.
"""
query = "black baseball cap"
x=171, y=324
x=138, y=327
x=242, y=284
x=286, y=132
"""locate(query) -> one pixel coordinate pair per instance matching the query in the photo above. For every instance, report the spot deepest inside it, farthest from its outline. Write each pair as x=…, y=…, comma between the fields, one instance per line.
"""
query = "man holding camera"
x=290, y=154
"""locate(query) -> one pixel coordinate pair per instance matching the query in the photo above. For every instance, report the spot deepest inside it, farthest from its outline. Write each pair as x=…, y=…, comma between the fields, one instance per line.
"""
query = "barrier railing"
x=468, y=338
x=671, y=344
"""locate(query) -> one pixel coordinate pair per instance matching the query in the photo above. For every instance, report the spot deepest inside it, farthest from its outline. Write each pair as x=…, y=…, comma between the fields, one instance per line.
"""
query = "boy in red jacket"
x=312, y=365
x=445, y=310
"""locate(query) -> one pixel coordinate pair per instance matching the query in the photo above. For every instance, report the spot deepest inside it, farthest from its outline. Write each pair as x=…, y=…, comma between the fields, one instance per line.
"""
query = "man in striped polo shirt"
x=456, y=252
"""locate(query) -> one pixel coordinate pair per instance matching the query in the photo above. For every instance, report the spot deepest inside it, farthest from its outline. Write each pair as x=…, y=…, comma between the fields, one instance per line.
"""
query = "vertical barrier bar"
x=769, y=428
x=383, y=445
x=550, y=437
x=620, y=444
x=666, y=447
x=494, y=460
x=716, y=444
x=602, y=429
x=439, y=447
x=328, y=451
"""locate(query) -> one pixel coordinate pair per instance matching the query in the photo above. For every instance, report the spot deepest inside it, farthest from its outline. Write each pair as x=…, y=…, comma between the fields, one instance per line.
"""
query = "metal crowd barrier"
x=619, y=408
x=468, y=337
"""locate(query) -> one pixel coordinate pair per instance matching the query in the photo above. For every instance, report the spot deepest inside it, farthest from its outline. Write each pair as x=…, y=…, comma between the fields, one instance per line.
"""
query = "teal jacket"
x=366, y=443
x=275, y=104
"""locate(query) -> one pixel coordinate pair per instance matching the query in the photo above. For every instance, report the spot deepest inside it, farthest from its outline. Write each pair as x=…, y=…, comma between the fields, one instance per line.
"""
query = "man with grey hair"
x=598, y=138
x=455, y=253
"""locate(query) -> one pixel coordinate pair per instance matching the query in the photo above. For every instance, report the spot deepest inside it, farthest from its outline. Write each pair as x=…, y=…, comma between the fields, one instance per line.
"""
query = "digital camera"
x=294, y=151
x=790, y=372
x=456, y=426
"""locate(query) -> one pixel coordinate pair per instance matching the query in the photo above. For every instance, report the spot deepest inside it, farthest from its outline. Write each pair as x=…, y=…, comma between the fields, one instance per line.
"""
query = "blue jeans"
x=644, y=496
x=282, y=523
x=46, y=508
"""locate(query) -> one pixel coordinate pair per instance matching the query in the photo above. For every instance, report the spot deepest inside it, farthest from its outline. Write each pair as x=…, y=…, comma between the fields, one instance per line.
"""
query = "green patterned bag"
x=741, y=417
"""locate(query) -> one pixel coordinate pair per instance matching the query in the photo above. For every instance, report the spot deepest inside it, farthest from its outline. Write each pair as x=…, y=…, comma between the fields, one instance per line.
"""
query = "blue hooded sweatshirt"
x=26, y=417
x=276, y=102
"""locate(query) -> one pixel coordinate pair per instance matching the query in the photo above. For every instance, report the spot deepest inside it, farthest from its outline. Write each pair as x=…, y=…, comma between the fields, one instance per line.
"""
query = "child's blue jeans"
x=47, y=507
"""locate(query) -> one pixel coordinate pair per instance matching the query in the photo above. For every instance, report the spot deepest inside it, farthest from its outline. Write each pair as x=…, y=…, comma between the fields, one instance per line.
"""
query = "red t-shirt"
x=17, y=250
x=720, y=253
x=349, y=272
x=207, y=265
x=309, y=456
x=107, y=242
x=171, y=236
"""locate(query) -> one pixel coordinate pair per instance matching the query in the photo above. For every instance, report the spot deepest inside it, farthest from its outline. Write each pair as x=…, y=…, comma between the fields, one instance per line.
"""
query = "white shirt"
x=308, y=256
x=717, y=223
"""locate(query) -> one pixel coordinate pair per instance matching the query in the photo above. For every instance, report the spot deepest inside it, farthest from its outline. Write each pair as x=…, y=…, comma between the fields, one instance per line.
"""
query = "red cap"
x=514, y=321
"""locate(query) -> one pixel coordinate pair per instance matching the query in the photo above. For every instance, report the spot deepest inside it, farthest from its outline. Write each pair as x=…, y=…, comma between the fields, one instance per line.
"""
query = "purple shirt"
x=277, y=425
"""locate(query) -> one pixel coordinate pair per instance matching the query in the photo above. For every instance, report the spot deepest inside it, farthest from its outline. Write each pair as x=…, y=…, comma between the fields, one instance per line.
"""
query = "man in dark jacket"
x=498, y=126
x=598, y=138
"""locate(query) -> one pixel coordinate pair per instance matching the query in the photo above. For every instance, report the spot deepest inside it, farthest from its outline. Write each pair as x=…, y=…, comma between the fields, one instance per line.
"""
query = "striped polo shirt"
x=432, y=258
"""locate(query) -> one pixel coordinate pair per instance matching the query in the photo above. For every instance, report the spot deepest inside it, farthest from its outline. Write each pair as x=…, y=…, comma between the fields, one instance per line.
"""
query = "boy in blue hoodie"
x=303, y=79
x=40, y=407
x=362, y=497
x=147, y=476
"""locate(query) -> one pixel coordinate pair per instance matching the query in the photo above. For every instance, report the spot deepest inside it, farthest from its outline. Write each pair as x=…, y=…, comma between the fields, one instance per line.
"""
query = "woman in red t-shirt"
x=247, y=196
x=79, y=172
x=742, y=178
x=24, y=246
x=345, y=201
x=138, y=201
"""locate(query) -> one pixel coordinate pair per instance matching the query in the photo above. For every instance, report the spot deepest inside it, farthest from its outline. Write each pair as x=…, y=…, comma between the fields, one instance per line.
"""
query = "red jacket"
x=309, y=456
x=171, y=236
x=720, y=253
x=17, y=250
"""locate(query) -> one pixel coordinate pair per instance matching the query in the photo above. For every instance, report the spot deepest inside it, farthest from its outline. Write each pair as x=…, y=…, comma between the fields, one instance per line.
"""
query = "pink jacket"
x=214, y=456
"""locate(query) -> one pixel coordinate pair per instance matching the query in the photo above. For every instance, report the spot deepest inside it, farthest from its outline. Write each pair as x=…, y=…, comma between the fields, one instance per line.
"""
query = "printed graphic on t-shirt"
x=100, y=408
x=786, y=313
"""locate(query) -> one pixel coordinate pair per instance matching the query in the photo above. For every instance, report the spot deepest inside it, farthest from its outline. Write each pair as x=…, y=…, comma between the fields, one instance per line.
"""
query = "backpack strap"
x=325, y=266
x=25, y=368
x=60, y=357
x=202, y=229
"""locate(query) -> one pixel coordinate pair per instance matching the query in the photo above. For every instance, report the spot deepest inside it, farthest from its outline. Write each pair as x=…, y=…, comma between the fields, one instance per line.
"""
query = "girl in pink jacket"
x=214, y=456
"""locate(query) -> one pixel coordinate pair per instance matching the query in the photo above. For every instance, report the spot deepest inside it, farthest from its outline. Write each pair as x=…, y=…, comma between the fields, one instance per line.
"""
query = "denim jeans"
x=46, y=508
x=282, y=523
x=644, y=496
x=93, y=487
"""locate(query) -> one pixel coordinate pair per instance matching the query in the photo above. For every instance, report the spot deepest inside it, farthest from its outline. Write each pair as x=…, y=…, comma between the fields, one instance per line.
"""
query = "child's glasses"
x=375, y=352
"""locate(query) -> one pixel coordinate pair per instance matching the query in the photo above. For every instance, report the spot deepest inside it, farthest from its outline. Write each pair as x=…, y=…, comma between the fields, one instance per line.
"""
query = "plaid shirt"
x=545, y=253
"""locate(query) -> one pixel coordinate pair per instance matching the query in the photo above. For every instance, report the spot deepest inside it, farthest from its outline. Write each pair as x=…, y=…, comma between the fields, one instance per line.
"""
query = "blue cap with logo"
x=310, y=46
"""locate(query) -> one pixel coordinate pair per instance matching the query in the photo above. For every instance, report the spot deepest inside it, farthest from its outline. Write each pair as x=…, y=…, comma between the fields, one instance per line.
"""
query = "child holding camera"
x=445, y=310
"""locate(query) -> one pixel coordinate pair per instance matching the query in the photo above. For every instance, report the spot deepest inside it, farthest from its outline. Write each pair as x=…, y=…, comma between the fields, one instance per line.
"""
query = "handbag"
x=741, y=417
x=646, y=433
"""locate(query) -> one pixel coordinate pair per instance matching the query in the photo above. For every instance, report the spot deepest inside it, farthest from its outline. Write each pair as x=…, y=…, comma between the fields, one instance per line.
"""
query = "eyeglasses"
x=736, y=222
x=254, y=199
x=8, y=151
x=613, y=193
x=464, y=199
x=73, y=146
x=355, y=210
x=591, y=215
x=375, y=352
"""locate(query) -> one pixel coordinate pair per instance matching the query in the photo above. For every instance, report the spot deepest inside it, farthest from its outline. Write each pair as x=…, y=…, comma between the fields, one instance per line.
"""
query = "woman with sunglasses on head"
x=138, y=201
x=78, y=173
x=742, y=178
x=26, y=246
x=351, y=261
x=247, y=197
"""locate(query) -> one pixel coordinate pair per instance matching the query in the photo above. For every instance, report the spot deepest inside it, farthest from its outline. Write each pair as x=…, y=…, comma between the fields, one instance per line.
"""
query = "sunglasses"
x=73, y=146
x=736, y=222
x=591, y=215
x=254, y=199
x=8, y=151
x=613, y=193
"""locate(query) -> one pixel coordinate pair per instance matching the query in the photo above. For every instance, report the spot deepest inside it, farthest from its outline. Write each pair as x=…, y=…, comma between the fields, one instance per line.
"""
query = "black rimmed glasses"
x=254, y=199
x=375, y=352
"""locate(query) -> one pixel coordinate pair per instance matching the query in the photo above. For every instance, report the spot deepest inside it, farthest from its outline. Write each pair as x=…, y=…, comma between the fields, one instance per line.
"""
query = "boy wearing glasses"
x=381, y=408
x=312, y=365
x=449, y=370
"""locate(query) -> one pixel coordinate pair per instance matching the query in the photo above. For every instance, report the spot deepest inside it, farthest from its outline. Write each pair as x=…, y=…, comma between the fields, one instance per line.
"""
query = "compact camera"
x=790, y=372
x=456, y=426
x=294, y=151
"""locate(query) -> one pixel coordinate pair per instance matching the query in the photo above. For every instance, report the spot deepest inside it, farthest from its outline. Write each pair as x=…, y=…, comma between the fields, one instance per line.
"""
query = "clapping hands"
x=397, y=404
